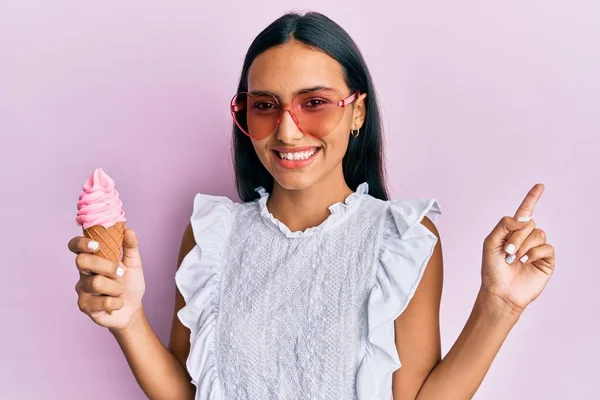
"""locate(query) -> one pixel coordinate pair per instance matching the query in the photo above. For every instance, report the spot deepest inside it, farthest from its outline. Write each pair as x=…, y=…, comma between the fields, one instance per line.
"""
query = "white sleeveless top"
x=276, y=314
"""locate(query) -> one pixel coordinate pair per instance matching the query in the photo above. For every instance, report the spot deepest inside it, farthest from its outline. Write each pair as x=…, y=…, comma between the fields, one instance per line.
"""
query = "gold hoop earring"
x=355, y=132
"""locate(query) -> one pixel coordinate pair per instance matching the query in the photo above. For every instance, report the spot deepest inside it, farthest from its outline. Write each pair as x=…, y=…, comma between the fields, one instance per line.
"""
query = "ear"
x=360, y=112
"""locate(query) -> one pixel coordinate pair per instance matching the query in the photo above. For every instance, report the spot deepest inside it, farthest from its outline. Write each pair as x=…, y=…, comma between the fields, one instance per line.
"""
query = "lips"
x=295, y=157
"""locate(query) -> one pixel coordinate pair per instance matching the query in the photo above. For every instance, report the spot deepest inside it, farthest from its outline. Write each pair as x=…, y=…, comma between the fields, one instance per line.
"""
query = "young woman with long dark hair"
x=316, y=285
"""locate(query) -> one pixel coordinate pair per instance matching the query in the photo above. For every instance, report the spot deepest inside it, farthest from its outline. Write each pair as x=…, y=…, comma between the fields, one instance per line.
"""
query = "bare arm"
x=508, y=285
x=460, y=373
x=417, y=329
x=159, y=371
x=424, y=375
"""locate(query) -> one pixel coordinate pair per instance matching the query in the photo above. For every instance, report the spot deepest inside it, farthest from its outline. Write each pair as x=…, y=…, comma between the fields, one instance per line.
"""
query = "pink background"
x=480, y=101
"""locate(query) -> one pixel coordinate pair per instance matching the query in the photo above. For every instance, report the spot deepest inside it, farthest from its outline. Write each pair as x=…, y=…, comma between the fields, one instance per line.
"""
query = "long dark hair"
x=363, y=161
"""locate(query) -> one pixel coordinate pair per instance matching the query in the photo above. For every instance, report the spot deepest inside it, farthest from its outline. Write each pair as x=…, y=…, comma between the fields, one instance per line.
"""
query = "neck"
x=309, y=207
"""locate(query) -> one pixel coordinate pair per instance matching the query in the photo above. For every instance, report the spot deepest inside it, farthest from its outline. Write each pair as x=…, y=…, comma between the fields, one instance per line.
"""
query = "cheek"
x=336, y=143
x=256, y=148
x=262, y=153
x=335, y=149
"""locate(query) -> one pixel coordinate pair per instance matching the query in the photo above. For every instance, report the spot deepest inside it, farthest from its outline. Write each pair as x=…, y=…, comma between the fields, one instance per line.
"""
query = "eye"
x=264, y=105
x=314, y=103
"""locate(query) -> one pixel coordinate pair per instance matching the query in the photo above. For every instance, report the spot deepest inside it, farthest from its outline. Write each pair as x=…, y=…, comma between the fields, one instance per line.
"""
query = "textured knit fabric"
x=276, y=314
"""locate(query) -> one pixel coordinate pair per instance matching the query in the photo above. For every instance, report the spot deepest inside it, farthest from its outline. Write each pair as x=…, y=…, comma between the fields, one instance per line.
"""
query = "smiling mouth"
x=297, y=155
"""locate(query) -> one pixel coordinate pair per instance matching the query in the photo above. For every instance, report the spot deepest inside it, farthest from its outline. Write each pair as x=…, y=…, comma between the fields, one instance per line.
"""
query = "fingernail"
x=510, y=249
x=510, y=258
x=524, y=259
x=93, y=245
x=523, y=219
x=120, y=271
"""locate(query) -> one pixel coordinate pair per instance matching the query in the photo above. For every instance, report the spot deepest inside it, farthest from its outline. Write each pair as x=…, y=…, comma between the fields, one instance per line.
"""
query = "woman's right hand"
x=109, y=299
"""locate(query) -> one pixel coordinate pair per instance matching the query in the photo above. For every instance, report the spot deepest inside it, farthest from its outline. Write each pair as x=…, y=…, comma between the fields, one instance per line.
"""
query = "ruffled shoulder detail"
x=198, y=279
x=405, y=249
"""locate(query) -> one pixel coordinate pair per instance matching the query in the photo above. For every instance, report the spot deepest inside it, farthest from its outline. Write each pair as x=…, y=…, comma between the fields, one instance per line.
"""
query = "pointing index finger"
x=529, y=202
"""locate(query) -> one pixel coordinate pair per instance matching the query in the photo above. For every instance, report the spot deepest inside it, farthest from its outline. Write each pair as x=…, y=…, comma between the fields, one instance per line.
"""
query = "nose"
x=288, y=131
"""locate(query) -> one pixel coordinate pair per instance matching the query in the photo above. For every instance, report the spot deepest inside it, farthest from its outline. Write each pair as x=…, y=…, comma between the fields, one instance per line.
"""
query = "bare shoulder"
x=179, y=342
x=431, y=226
x=431, y=284
x=187, y=243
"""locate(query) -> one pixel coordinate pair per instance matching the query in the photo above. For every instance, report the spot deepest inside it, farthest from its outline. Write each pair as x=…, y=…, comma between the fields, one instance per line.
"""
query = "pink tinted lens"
x=316, y=113
x=255, y=115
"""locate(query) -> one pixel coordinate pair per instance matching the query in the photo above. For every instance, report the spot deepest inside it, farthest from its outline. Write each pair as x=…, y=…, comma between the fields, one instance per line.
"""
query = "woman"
x=317, y=286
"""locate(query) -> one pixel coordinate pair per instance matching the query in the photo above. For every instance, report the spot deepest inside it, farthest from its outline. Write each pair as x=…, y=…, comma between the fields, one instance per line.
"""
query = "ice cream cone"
x=110, y=239
x=101, y=216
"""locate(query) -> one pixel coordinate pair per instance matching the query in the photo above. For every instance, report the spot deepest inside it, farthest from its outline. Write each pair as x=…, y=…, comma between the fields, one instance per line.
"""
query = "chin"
x=293, y=177
x=295, y=181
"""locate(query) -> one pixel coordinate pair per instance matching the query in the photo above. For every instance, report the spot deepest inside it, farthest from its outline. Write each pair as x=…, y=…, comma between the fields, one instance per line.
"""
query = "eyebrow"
x=305, y=90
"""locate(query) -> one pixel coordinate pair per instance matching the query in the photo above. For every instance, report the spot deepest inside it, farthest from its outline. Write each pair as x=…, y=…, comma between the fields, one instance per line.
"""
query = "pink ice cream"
x=99, y=204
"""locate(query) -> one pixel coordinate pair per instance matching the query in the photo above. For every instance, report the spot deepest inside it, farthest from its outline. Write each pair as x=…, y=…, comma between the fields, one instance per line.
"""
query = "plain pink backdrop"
x=480, y=101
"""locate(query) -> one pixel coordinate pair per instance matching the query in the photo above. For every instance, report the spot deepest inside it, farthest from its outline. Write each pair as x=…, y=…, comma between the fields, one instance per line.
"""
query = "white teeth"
x=300, y=155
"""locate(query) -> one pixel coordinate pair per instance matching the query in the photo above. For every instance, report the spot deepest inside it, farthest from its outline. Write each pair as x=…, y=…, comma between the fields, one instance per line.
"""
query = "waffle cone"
x=110, y=239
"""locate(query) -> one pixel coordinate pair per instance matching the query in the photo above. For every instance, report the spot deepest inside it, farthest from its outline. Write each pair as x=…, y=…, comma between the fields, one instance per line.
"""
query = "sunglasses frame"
x=233, y=107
